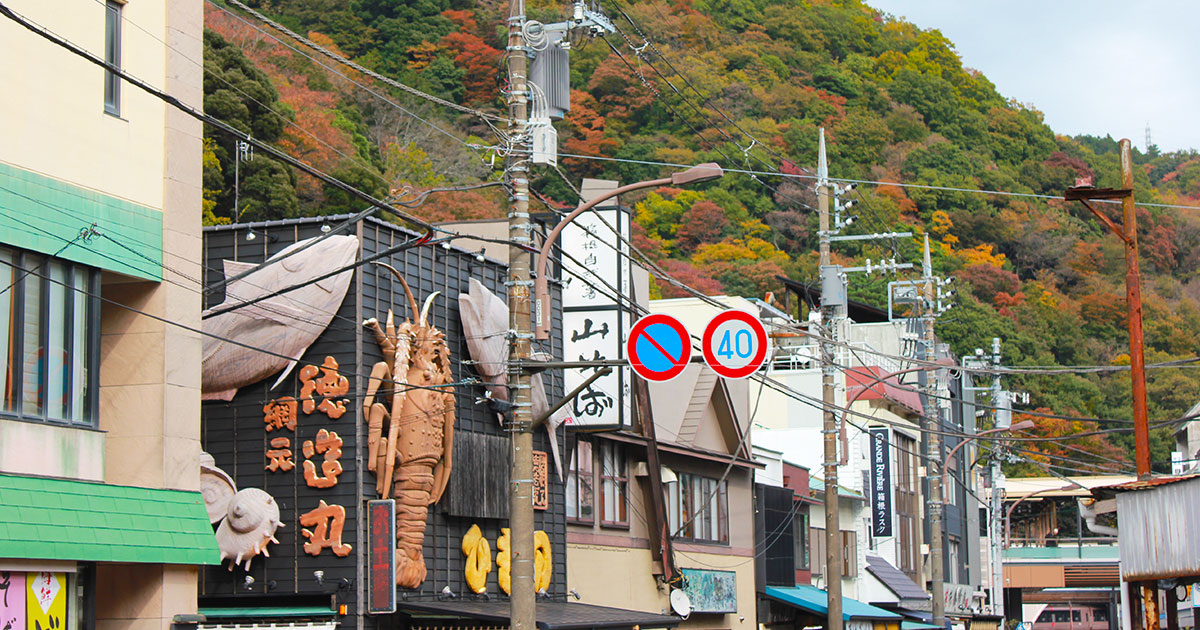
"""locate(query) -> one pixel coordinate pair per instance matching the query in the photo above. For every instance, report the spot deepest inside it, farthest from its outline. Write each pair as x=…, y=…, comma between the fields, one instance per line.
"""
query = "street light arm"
x=541, y=286
x=1020, y=426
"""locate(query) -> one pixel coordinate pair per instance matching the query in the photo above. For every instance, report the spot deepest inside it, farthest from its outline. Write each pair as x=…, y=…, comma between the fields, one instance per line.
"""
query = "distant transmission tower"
x=1148, y=141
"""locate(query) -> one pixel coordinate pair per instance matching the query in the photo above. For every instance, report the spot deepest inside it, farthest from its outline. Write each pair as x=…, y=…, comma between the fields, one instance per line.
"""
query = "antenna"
x=1149, y=143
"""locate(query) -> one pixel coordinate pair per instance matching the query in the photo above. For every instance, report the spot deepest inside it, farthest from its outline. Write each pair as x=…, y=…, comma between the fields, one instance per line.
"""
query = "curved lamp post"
x=699, y=173
x=1020, y=426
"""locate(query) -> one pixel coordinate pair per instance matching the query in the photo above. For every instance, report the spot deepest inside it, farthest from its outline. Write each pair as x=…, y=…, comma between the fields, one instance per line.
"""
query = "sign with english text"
x=596, y=313
x=881, y=483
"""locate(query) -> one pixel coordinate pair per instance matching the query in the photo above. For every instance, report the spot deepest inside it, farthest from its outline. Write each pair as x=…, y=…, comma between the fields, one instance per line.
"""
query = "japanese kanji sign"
x=594, y=320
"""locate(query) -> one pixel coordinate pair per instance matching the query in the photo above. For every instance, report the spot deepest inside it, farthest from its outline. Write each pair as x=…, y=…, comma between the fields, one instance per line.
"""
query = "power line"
x=355, y=66
x=175, y=102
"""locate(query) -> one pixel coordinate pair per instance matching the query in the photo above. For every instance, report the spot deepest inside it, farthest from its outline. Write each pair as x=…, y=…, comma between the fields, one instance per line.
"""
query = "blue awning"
x=816, y=601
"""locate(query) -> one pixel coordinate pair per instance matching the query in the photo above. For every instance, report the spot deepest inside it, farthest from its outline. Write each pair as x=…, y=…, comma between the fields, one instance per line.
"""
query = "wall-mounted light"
x=249, y=582
x=320, y=576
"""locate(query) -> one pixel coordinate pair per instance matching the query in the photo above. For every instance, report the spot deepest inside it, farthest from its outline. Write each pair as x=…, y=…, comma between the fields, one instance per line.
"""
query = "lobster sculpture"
x=412, y=460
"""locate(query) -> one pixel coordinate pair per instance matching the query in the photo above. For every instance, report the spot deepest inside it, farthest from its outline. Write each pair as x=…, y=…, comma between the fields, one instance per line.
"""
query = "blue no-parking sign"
x=659, y=347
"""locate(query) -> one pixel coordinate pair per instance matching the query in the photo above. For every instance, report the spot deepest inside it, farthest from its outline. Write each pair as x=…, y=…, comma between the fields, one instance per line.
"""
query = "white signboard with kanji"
x=596, y=279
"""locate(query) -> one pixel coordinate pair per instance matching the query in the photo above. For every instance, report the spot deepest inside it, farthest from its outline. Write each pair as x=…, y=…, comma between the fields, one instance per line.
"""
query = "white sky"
x=1092, y=67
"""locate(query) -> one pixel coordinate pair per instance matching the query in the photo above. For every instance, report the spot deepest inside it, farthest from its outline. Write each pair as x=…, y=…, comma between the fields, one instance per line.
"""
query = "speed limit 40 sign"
x=735, y=344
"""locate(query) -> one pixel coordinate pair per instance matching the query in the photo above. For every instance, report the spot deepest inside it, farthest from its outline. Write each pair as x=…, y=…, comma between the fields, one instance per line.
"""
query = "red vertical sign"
x=381, y=556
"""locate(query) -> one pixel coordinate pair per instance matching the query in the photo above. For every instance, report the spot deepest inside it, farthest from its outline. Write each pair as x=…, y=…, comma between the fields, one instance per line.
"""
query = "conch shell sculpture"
x=247, y=518
x=413, y=458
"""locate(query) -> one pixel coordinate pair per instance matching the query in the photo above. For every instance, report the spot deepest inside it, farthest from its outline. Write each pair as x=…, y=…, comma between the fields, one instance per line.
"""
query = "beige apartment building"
x=103, y=524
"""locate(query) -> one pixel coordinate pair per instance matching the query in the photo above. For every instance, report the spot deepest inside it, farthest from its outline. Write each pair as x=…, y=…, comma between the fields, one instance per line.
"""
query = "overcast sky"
x=1093, y=67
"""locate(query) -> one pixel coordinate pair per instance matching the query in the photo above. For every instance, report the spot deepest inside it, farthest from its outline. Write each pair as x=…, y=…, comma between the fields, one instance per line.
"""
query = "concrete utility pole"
x=931, y=423
x=1003, y=418
x=520, y=507
x=833, y=534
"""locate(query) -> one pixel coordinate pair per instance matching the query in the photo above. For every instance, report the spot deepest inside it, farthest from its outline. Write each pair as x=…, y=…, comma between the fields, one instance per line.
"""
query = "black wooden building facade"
x=233, y=433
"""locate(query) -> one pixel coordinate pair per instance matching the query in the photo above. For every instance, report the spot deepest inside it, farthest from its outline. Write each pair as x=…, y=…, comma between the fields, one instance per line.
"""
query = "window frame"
x=681, y=502
x=113, y=17
x=27, y=268
x=619, y=480
x=800, y=535
x=575, y=482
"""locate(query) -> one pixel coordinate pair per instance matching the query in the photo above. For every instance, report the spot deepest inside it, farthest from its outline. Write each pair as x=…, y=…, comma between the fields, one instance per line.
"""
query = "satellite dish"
x=681, y=603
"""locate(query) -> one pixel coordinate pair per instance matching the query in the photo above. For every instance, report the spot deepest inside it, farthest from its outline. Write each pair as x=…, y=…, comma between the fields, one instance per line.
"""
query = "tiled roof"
x=58, y=519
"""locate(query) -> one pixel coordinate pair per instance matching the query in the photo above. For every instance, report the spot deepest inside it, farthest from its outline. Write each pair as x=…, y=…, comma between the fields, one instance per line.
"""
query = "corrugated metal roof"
x=1149, y=483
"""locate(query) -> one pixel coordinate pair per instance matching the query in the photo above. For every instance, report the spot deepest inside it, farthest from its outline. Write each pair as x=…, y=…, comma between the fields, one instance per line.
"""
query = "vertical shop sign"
x=881, y=483
x=381, y=556
x=594, y=321
x=12, y=600
x=46, y=604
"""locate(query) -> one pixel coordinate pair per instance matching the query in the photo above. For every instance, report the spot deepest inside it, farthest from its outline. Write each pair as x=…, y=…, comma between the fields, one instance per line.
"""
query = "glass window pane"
x=56, y=354
x=80, y=331
x=33, y=385
x=586, y=501
x=8, y=360
x=573, y=487
x=112, y=54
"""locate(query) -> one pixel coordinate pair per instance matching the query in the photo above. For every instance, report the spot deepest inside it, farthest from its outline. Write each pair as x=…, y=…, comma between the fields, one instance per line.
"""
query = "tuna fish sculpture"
x=410, y=426
x=285, y=324
x=485, y=322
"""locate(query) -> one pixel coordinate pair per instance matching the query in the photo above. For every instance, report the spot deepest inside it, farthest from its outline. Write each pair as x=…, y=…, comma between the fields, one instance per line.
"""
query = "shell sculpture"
x=410, y=426
x=249, y=525
x=246, y=520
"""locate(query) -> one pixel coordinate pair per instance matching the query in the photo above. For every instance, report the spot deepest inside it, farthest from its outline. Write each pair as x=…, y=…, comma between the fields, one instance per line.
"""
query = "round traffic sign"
x=735, y=344
x=658, y=347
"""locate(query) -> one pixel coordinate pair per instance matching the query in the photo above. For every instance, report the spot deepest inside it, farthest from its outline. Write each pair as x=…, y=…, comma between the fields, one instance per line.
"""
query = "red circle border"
x=640, y=368
x=759, y=330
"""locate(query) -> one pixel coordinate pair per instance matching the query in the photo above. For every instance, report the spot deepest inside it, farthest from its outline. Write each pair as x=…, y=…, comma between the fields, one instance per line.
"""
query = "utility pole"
x=932, y=423
x=1003, y=419
x=833, y=534
x=523, y=615
x=1133, y=295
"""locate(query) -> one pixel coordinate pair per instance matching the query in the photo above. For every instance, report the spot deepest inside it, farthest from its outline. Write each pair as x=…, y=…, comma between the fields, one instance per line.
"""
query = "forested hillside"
x=748, y=83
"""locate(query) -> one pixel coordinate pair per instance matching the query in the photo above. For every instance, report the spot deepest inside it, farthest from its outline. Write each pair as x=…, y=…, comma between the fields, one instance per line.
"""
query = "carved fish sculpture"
x=485, y=323
x=285, y=324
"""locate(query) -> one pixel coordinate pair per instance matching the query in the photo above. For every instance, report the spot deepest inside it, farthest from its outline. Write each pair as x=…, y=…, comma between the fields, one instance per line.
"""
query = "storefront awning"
x=917, y=625
x=550, y=615
x=816, y=601
x=57, y=519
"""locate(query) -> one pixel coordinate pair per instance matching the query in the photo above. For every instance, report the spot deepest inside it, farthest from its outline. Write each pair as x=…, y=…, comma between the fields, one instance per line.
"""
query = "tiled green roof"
x=57, y=519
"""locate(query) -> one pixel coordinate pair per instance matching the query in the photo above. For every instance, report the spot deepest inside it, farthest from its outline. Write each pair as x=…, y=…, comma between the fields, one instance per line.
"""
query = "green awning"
x=57, y=519
x=262, y=612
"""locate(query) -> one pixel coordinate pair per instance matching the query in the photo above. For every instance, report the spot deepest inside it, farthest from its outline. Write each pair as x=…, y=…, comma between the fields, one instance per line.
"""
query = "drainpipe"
x=1089, y=516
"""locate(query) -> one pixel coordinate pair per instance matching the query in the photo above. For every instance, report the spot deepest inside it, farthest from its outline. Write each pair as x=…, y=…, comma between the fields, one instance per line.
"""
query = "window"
x=48, y=359
x=1076, y=616
x=700, y=505
x=800, y=536
x=849, y=554
x=1100, y=614
x=817, y=546
x=953, y=561
x=580, y=502
x=614, y=485
x=112, y=55
x=907, y=505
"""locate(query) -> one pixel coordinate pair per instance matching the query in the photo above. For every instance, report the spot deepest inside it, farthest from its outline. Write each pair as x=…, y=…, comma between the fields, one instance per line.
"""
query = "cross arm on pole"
x=1083, y=194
